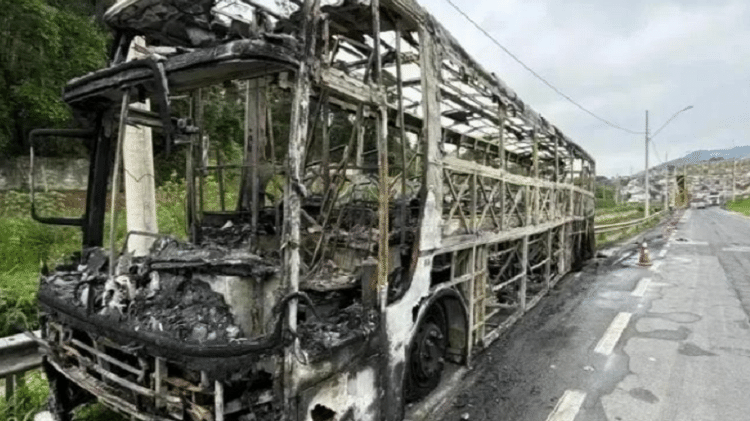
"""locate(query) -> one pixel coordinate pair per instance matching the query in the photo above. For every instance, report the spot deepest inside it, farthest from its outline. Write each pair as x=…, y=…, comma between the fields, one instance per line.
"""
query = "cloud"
x=618, y=59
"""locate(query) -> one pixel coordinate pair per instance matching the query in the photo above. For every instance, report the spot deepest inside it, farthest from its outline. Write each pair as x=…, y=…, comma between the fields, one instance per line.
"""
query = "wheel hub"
x=429, y=352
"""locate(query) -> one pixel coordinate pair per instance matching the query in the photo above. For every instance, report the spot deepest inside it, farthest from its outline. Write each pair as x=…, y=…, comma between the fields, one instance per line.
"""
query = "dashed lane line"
x=663, y=253
x=640, y=289
x=737, y=249
x=655, y=266
x=568, y=406
x=612, y=335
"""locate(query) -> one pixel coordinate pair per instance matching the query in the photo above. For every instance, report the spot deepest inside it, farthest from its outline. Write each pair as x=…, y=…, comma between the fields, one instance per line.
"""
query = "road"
x=627, y=343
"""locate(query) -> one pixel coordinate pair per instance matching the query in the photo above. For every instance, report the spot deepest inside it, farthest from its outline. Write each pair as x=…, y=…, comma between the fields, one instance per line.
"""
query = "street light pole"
x=647, y=190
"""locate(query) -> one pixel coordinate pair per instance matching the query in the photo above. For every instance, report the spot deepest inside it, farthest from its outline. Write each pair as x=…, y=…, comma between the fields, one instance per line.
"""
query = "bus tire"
x=426, y=355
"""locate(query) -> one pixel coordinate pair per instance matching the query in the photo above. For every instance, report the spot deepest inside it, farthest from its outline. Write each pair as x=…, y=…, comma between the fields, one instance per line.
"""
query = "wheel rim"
x=430, y=349
x=427, y=355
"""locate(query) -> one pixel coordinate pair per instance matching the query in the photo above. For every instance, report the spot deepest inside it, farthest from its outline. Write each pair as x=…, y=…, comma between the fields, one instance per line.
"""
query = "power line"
x=670, y=119
x=656, y=153
x=513, y=56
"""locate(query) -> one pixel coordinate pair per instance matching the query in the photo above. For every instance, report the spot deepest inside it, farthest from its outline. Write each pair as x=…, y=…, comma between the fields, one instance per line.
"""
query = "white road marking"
x=655, y=266
x=663, y=252
x=612, y=335
x=640, y=289
x=568, y=406
x=739, y=249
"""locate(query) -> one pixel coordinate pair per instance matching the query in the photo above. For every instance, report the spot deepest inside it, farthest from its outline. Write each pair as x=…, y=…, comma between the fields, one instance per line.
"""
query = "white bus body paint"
x=568, y=406
x=640, y=289
x=612, y=335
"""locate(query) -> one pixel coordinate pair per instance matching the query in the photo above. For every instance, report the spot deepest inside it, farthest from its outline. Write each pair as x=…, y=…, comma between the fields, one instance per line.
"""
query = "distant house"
x=714, y=198
x=637, y=198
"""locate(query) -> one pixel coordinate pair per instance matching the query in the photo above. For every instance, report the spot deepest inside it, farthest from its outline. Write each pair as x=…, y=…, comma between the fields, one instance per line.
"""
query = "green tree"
x=42, y=47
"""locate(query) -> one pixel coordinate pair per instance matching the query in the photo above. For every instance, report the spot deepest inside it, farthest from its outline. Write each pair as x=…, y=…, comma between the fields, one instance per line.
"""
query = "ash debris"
x=339, y=328
x=158, y=292
x=238, y=234
x=163, y=293
x=231, y=235
x=184, y=309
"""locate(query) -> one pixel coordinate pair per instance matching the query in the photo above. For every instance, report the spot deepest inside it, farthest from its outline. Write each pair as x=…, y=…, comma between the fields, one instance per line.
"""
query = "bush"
x=24, y=247
x=27, y=399
x=170, y=210
x=31, y=398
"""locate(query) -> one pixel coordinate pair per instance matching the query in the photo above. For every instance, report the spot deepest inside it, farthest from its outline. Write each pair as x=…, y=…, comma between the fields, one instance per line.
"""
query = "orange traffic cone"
x=645, y=257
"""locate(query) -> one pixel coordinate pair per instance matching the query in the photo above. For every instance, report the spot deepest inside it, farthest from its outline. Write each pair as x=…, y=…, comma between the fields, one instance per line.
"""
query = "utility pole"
x=138, y=162
x=734, y=169
x=685, y=184
x=617, y=189
x=647, y=190
x=667, y=181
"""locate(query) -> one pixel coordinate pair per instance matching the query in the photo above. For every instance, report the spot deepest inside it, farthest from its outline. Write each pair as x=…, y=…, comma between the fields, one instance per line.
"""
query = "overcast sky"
x=619, y=59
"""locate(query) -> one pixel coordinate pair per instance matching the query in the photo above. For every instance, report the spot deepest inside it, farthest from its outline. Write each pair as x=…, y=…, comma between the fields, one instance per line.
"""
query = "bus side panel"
x=400, y=321
x=348, y=395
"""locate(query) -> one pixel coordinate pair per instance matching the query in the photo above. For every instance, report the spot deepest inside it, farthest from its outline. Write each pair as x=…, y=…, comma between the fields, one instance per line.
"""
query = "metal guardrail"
x=18, y=354
x=623, y=214
x=600, y=229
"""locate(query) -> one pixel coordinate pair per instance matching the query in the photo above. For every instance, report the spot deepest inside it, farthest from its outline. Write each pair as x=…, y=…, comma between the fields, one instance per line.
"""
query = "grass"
x=31, y=398
x=27, y=400
x=24, y=246
x=741, y=205
x=622, y=213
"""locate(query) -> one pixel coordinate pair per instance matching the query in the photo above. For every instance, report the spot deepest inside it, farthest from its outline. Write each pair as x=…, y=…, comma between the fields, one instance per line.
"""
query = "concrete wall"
x=50, y=173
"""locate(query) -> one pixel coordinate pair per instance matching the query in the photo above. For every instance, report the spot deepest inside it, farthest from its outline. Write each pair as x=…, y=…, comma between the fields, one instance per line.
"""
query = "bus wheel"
x=426, y=357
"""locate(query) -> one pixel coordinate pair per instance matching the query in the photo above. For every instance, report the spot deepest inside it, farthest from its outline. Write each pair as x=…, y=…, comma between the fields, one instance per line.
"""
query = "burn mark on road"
x=677, y=317
x=643, y=395
x=692, y=350
x=680, y=334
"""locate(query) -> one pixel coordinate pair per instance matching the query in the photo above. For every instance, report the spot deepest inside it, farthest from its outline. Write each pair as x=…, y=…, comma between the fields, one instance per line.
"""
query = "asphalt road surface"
x=627, y=343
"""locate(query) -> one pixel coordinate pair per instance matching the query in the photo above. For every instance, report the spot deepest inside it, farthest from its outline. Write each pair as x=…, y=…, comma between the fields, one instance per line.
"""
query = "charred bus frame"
x=376, y=265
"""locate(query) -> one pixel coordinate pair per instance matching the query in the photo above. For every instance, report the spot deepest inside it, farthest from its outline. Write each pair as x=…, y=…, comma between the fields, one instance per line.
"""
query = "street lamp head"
x=670, y=119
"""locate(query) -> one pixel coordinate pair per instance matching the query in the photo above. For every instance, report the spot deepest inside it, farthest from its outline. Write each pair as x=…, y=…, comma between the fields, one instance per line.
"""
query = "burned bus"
x=390, y=209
